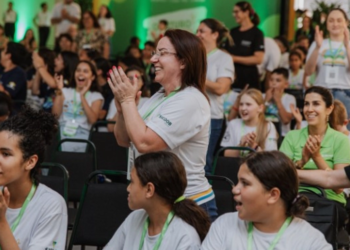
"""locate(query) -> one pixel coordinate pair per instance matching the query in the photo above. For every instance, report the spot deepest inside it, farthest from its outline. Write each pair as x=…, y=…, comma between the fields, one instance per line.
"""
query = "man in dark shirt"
x=13, y=80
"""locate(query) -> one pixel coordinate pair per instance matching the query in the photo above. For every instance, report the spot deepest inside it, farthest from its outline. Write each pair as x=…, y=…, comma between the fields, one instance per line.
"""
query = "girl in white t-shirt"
x=78, y=106
x=252, y=130
x=220, y=75
x=163, y=218
x=329, y=58
x=32, y=216
x=268, y=210
x=106, y=21
x=296, y=73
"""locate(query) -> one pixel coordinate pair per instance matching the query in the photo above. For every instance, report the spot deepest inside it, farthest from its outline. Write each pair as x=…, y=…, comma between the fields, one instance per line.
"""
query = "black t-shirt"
x=347, y=171
x=15, y=82
x=246, y=43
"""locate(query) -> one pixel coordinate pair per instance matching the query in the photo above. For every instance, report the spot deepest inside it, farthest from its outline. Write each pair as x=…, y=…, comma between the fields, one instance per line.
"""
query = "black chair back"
x=103, y=208
x=110, y=156
x=222, y=187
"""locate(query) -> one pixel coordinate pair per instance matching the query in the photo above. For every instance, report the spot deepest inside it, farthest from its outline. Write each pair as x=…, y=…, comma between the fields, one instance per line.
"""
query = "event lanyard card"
x=332, y=74
x=70, y=129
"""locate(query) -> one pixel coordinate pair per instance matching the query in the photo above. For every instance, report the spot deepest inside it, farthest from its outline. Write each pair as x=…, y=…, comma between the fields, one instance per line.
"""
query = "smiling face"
x=103, y=11
x=295, y=62
x=13, y=169
x=83, y=75
x=249, y=109
x=250, y=195
x=240, y=15
x=168, y=67
x=206, y=35
x=336, y=23
x=88, y=22
x=315, y=110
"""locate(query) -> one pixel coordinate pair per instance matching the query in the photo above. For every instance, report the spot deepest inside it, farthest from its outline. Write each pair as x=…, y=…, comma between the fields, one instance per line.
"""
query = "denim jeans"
x=211, y=209
x=215, y=131
x=343, y=95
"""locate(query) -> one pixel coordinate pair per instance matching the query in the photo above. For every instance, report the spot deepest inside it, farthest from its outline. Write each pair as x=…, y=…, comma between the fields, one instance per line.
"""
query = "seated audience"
x=296, y=71
x=65, y=65
x=28, y=41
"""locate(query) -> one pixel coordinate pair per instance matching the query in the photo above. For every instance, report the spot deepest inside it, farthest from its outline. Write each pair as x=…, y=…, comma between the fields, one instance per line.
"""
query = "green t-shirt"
x=335, y=149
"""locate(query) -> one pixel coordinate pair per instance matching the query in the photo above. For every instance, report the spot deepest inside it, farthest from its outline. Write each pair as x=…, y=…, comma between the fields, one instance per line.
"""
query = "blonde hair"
x=262, y=127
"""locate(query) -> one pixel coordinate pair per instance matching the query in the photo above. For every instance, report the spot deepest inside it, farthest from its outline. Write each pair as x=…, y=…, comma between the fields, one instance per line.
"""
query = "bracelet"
x=234, y=108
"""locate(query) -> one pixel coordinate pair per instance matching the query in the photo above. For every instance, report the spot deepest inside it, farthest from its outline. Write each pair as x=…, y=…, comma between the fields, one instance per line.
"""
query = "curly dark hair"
x=35, y=130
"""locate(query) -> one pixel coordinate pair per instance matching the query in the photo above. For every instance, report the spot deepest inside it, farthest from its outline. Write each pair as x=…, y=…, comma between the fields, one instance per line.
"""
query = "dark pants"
x=44, y=32
x=10, y=30
x=215, y=132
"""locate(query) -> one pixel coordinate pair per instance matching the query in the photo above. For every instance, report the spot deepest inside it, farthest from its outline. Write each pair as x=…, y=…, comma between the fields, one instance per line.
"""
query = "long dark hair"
x=108, y=14
x=167, y=173
x=94, y=85
x=49, y=59
x=245, y=6
x=94, y=20
x=190, y=49
x=35, y=130
x=275, y=170
x=70, y=61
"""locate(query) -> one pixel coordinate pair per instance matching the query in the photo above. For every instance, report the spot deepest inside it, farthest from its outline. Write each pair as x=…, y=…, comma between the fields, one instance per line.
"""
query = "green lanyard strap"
x=25, y=204
x=76, y=105
x=160, y=238
x=275, y=240
x=152, y=108
x=336, y=53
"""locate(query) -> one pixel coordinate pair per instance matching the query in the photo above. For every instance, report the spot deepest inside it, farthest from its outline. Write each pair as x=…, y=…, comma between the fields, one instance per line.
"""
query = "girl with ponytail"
x=220, y=74
x=248, y=49
x=32, y=216
x=268, y=209
x=252, y=130
x=163, y=218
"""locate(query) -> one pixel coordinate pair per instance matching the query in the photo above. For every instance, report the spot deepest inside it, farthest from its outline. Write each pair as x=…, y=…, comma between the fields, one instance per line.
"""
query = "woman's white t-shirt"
x=236, y=129
x=328, y=76
x=296, y=81
x=229, y=232
x=179, y=235
x=183, y=122
x=112, y=110
x=79, y=116
x=107, y=24
x=219, y=65
x=44, y=222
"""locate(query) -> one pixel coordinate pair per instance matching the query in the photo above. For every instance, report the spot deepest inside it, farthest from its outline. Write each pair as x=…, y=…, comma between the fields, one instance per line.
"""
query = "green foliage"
x=84, y=5
x=323, y=8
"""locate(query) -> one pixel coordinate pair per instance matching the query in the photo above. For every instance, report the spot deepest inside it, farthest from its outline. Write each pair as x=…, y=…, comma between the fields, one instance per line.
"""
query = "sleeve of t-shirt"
x=311, y=49
x=271, y=140
x=229, y=139
x=20, y=81
x=258, y=43
x=77, y=11
x=55, y=13
x=118, y=240
x=226, y=68
x=341, y=150
x=96, y=96
x=287, y=145
x=215, y=236
x=274, y=60
x=112, y=24
x=180, y=119
x=51, y=230
x=287, y=101
x=111, y=111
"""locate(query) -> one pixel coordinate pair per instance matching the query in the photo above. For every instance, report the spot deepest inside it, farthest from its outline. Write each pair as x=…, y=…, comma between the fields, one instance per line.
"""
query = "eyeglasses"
x=162, y=53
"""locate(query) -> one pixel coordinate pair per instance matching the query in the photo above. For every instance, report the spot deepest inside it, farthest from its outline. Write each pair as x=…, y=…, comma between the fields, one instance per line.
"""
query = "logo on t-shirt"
x=167, y=122
x=11, y=85
x=52, y=247
x=226, y=137
x=246, y=43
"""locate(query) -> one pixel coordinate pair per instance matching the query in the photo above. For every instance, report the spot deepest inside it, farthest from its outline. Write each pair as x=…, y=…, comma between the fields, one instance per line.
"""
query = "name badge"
x=70, y=129
x=332, y=74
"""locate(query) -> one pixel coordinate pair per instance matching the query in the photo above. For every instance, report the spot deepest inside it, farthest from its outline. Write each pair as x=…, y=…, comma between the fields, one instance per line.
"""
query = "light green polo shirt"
x=335, y=149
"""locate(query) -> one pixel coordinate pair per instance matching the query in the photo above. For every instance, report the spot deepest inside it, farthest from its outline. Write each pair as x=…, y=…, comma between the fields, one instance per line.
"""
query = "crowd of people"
x=174, y=104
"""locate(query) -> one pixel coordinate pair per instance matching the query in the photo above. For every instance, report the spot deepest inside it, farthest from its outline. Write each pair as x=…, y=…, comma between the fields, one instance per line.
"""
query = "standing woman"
x=248, y=49
x=220, y=74
x=32, y=216
x=163, y=218
x=330, y=57
x=106, y=21
x=176, y=118
x=78, y=105
x=306, y=30
x=29, y=41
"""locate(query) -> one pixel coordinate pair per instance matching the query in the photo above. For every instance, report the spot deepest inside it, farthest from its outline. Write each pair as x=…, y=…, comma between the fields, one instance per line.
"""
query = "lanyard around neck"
x=212, y=52
x=275, y=240
x=76, y=105
x=23, y=209
x=336, y=53
x=160, y=238
x=152, y=108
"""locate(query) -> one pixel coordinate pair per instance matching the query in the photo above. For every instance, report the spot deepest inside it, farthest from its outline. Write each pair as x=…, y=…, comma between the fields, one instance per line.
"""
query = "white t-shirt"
x=296, y=81
x=44, y=18
x=107, y=24
x=219, y=65
x=112, y=110
x=272, y=56
x=179, y=235
x=284, y=62
x=236, y=129
x=68, y=107
x=183, y=122
x=44, y=222
x=10, y=17
x=229, y=232
x=272, y=110
x=73, y=9
x=229, y=99
x=324, y=65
